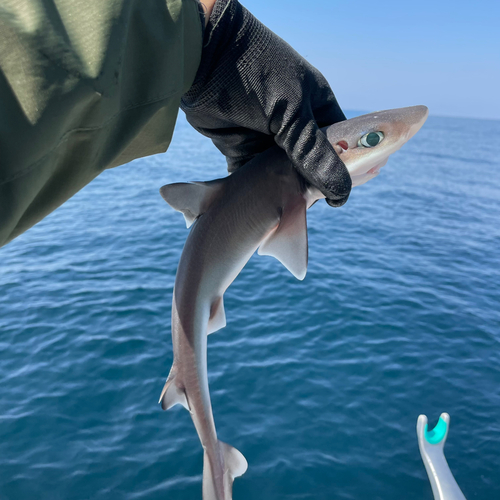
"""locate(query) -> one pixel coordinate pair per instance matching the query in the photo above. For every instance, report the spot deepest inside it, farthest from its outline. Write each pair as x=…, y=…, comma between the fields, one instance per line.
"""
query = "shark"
x=260, y=207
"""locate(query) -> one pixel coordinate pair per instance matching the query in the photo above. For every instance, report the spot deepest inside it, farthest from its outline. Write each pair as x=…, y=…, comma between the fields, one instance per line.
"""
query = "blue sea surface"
x=318, y=383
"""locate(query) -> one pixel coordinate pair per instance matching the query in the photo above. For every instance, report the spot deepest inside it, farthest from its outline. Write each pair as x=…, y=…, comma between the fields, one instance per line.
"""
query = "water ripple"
x=319, y=383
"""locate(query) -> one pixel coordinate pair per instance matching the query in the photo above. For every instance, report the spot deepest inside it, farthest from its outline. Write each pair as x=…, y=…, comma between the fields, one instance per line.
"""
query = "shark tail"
x=235, y=465
x=173, y=393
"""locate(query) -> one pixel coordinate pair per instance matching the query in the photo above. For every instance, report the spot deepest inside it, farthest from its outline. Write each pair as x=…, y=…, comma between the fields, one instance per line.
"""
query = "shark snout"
x=418, y=115
x=364, y=143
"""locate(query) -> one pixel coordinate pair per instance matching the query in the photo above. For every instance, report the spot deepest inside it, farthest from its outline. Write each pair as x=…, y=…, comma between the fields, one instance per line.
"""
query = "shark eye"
x=371, y=139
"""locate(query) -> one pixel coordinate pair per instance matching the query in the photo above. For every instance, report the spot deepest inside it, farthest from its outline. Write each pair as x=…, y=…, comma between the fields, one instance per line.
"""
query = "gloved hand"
x=252, y=90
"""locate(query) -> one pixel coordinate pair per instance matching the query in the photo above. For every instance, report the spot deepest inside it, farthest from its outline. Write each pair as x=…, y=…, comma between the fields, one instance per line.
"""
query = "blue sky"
x=387, y=54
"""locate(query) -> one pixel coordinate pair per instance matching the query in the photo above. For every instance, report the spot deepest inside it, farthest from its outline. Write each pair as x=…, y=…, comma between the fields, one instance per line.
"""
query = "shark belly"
x=200, y=284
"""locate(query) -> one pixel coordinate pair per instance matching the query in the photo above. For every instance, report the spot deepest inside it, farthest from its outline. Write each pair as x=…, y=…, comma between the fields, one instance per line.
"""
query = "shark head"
x=365, y=143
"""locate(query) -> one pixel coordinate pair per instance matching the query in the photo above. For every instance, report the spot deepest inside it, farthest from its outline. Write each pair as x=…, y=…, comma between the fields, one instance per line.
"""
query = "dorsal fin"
x=191, y=198
x=288, y=242
x=217, y=316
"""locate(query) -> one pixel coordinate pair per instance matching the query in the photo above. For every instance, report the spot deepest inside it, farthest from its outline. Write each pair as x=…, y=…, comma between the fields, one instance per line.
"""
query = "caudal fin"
x=235, y=465
x=172, y=393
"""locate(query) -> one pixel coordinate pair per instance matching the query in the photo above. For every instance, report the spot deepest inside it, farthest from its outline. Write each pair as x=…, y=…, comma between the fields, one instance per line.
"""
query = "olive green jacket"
x=86, y=85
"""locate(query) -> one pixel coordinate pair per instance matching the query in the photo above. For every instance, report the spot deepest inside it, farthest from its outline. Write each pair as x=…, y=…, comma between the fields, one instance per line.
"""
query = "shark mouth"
x=359, y=179
x=376, y=168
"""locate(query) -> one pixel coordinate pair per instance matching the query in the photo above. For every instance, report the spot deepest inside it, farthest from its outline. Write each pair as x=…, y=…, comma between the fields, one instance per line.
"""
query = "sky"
x=388, y=54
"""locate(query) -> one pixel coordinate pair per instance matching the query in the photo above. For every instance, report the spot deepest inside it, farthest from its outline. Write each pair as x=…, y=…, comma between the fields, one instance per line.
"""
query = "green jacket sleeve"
x=85, y=86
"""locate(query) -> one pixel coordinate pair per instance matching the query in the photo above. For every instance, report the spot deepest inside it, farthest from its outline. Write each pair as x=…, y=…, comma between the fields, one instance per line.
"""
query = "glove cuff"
x=233, y=37
x=201, y=12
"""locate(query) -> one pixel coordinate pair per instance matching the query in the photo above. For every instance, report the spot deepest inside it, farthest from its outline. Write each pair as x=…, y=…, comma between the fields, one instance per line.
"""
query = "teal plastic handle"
x=431, y=445
x=438, y=433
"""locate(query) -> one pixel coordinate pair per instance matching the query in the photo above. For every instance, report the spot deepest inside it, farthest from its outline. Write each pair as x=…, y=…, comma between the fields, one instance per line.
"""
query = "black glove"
x=252, y=90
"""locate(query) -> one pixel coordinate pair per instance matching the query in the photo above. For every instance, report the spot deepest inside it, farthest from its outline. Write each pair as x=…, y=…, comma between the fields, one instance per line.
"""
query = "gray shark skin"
x=262, y=206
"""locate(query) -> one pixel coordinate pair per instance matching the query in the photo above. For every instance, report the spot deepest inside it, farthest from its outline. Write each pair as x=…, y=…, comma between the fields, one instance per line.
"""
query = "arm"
x=86, y=86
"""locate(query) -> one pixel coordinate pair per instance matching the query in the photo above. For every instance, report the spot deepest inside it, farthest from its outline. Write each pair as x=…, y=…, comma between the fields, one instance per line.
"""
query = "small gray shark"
x=262, y=206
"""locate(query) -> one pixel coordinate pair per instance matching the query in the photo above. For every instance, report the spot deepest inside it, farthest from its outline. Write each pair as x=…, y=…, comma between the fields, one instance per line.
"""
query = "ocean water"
x=318, y=383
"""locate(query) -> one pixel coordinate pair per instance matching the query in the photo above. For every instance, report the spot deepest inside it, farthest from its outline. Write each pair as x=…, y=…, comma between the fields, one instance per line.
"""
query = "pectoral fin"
x=288, y=242
x=191, y=198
